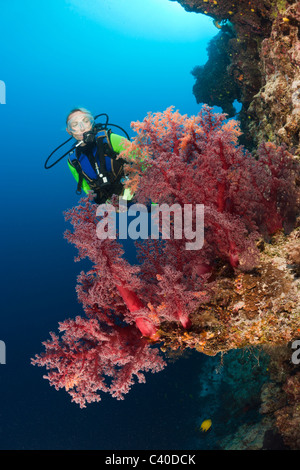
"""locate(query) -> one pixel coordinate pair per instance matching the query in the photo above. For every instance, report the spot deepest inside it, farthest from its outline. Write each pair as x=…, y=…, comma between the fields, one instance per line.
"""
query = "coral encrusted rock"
x=257, y=53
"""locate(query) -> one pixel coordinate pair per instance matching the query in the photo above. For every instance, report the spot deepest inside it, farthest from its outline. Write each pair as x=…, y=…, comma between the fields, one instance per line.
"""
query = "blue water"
x=55, y=57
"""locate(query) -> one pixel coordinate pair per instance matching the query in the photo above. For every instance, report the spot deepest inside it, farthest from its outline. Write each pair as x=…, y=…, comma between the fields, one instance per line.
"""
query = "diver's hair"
x=83, y=110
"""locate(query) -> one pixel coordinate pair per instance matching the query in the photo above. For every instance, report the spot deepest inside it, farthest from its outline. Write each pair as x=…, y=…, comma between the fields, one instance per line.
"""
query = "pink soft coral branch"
x=197, y=161
x=111, y=274
x=88, y=360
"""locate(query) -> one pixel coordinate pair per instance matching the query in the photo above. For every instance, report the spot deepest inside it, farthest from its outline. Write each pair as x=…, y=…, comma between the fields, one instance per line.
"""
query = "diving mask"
x=85, y=123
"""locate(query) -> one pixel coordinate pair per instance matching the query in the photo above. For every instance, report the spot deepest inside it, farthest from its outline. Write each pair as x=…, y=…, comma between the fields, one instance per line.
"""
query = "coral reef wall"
x=255, y=58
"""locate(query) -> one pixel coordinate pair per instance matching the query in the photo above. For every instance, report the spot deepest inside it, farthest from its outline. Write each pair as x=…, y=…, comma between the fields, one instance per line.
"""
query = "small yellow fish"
x=205, y=426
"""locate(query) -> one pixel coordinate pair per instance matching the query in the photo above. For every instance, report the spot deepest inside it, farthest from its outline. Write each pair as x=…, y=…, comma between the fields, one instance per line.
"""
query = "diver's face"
x=78, y=123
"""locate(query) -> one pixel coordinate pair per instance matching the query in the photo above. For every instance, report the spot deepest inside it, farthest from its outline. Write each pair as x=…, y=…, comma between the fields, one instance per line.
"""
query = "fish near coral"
x=206, y=425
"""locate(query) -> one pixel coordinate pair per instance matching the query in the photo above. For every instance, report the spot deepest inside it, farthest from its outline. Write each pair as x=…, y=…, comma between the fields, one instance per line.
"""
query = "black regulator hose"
x=57, y=148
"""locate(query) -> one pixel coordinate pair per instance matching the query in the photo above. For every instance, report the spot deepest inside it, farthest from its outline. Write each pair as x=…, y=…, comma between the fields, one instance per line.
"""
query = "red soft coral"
x=88, y=359
x=197, y=161
x=112, y=282
x=174, y=160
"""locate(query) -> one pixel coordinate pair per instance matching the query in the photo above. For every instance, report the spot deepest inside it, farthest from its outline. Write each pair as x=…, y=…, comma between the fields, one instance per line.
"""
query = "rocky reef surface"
x=248, y=329
x=259, y=307
x=255, y=59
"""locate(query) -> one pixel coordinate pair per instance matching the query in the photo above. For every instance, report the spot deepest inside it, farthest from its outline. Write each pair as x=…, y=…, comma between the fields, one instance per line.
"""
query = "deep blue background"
x=52, y=59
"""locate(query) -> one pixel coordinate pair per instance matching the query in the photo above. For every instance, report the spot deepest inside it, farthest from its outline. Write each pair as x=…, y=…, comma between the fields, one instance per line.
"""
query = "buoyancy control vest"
x=96, y=168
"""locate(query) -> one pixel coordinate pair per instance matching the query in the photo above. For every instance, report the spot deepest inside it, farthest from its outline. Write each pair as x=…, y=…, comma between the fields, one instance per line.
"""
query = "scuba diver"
x=93, y=159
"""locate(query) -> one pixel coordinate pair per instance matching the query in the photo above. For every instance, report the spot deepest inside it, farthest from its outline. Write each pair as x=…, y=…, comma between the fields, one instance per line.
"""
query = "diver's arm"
x=117, y=142
x=117, y=145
